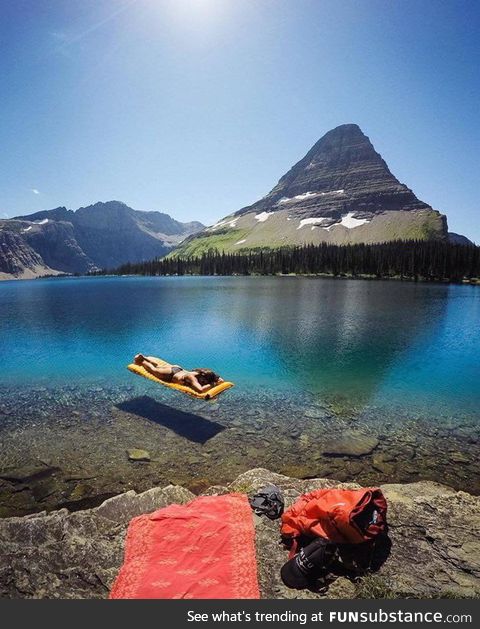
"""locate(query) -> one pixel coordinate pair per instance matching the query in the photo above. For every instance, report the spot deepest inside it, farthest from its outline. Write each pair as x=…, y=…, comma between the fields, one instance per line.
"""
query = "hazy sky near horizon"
x=197, y=107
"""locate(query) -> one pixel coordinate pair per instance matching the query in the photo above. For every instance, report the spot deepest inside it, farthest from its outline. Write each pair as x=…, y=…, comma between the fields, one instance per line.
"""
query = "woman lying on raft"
x=200, y=380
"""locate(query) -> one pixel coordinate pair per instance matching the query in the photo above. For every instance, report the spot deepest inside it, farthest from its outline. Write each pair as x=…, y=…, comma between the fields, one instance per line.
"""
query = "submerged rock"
x=316, y=413
x=459, y=457
x=137, y=454
x=27, y=473
x=80, y=491
x=383, y=463
x=77, y=555
x=44, y=489
x=352, y=443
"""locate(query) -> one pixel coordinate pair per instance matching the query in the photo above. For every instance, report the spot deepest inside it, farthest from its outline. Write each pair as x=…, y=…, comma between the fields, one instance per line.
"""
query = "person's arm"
x=156, y=362
x=195, y=384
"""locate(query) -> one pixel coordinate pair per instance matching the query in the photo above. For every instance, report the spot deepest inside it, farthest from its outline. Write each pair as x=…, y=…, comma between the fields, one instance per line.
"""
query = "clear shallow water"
x=358, y=340
x=398, y=361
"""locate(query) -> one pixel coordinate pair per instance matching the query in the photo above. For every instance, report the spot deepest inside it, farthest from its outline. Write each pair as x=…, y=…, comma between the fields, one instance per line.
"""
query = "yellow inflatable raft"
x=207, y=395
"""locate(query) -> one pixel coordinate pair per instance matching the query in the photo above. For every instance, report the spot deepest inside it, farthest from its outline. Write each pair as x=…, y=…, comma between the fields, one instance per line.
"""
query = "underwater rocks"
x=80, y=491
x=459, y=457
x=316, y=413
x=27, y=473
x=67, y=446
x=137, y=454
x=383, y=463
x=77, y=555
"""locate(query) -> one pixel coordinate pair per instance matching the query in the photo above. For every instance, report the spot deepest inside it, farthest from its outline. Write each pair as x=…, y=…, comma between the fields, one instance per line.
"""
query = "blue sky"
x=197, y=107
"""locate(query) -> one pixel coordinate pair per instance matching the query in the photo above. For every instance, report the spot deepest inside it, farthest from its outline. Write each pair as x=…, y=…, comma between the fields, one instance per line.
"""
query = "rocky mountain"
x=17, y=258
x=341, y=192
x=429, y=552
x=103, y=235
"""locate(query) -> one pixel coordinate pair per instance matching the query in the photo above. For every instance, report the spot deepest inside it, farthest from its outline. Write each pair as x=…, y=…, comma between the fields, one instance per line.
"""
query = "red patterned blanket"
x=204, y=549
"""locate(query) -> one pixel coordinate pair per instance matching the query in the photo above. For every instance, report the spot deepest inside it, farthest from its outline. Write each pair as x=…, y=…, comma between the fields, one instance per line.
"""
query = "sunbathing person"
x=200, y=380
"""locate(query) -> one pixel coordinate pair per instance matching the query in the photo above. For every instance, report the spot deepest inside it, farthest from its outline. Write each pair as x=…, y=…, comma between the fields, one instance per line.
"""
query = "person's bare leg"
x=155, y=369
x=140, y=358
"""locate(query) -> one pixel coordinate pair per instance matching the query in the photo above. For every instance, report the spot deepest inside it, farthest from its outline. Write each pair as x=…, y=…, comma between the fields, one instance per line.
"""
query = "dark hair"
x=206, y=376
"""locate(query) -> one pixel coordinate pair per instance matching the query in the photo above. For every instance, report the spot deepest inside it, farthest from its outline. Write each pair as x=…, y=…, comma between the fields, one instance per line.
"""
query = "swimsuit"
x=173, y=370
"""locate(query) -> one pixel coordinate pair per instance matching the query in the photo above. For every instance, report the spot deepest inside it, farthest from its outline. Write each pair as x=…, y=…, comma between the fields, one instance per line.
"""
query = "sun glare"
x=190, y=12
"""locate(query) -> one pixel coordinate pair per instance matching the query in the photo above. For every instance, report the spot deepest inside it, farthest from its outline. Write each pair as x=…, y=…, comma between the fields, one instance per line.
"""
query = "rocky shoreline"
x=434, y=532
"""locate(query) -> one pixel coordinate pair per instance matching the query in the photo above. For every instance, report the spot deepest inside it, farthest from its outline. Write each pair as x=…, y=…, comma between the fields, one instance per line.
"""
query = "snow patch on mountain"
x=229, y=223
x=311, y=221
x=262, y=217
x=298, y=197
x=308, y=195
x=349, y=221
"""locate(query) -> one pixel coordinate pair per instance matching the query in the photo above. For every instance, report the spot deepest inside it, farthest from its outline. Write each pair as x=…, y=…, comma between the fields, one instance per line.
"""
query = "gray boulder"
x=352, y=443
x=73, y=555
x=434, y=530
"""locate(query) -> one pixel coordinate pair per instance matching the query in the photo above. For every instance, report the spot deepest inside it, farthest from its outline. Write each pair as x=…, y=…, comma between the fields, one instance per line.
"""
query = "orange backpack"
x=342, y=516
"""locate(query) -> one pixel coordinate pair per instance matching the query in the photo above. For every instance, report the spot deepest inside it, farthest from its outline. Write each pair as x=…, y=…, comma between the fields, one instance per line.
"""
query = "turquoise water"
x=316, y=363
x=358, y=340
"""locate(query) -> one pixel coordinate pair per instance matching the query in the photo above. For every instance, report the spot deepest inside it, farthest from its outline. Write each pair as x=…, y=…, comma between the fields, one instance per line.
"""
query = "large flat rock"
x=73, y=555
x=353, y=443
x=434, y=530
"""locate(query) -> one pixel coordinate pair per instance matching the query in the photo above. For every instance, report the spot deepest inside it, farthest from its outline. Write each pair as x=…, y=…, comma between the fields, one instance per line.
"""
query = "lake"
x=373, y=381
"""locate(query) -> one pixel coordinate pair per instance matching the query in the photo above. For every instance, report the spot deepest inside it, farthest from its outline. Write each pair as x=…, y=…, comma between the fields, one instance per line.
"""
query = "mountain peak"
x=344, y=131
x=105, y=205
x=349, y=127
x=340, y=192
x=339, y=173
x=57, y=214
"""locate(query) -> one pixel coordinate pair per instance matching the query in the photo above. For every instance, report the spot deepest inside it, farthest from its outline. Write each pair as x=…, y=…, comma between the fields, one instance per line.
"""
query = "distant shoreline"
x=463, y=282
